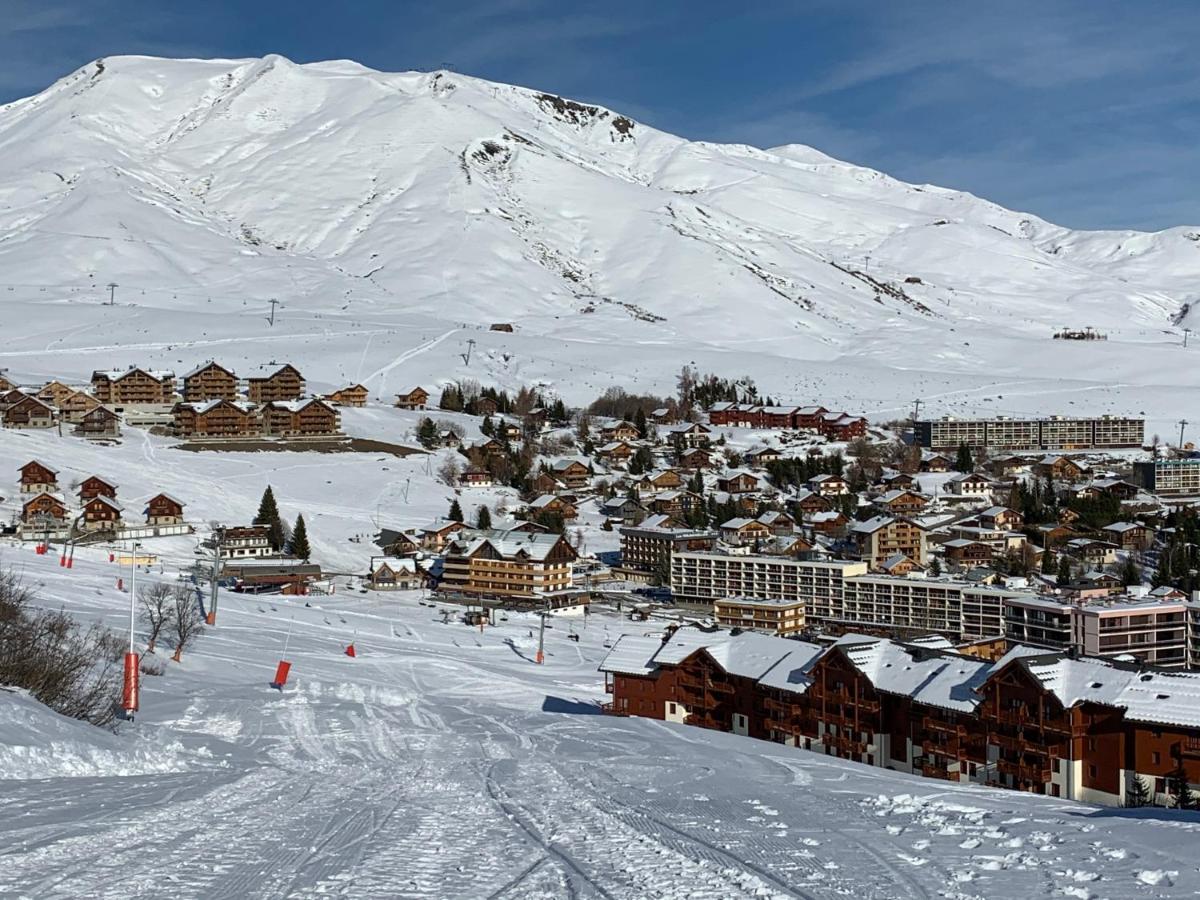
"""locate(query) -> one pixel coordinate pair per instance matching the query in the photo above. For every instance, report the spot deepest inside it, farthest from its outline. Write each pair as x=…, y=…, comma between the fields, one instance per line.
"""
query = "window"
x=1155, y=757
x=1091, y=743
x=672, y=706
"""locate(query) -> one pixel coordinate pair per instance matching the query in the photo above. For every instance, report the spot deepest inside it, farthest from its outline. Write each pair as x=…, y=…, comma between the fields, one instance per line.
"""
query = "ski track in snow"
x=441, y=764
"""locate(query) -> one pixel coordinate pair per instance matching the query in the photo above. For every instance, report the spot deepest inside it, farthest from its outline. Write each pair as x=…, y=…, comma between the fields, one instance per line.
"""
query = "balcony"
x=929, y=723
x=1190, y=746
x=932, y=770
x=611, y=709
x=1034, y=774
x=848, y=746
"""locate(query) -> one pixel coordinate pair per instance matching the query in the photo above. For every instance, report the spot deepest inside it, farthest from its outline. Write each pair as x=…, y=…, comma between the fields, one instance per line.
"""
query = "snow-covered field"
x=442, y=762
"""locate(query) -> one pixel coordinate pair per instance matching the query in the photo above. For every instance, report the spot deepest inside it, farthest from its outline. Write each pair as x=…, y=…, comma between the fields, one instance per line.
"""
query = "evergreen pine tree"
x=268, y=514
x=483, y=518
x=427, y=432
x=298, y=545
x=1131, y=573
x=964, y=462
x=1064, y=570
x=1138, y=794
x=935, y=566
x=486, y=427
x=456, y=513
x=639, y=420
x=1179, y=789
x=1049, y=562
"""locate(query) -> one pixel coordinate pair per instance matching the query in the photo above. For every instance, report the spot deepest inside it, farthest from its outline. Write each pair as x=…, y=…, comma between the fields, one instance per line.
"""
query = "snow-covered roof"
x=632, y=654
x=792, y=672
x=535, y=545
x=933, y=677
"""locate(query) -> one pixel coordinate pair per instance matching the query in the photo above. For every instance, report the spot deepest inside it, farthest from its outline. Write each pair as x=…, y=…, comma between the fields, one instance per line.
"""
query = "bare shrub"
x=158, y=608
x=74, y=671
x=448, y=472
x=187, y=619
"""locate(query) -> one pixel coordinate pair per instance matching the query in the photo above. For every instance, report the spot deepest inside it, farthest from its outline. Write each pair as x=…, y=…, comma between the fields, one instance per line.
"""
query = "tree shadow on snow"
x=569, y=707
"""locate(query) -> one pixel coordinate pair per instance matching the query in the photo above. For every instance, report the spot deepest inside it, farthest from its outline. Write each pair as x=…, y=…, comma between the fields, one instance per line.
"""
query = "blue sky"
x=1086, y=112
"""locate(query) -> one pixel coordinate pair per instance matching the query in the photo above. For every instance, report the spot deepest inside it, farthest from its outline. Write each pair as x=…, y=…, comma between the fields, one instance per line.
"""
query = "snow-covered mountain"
x=394, y=210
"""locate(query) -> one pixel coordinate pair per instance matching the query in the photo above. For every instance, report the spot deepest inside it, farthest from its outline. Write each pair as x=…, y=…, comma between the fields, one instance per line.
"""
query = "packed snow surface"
x=397, y=216
x=442, y=762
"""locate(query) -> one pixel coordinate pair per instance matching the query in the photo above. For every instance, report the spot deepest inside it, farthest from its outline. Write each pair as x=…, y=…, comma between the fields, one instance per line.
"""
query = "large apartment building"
x=507, y=564
x=134, y=386
x=778, y=617
x=1151, y=631
x=840, y=595
x=1169, y=477
x=1052, y=433
x=648, y=548
x=1077, y=729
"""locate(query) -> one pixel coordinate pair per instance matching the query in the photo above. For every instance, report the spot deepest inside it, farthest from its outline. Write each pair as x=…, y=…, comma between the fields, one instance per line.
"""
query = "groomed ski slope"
x=441, y=762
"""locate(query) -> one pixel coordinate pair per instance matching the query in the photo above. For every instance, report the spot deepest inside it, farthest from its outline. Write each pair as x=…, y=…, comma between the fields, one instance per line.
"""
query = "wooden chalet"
x=135, y=386
x=573, y=473
x=1001, y=518
x=210, y=381
x=508, y=564
x=549, y=503
x=832, y=522
x=95, y=486
x=1061, y=468
x=761, y=457
x=11, y=398
x=615, y=452
x=54, y=393
x=545, y=483
x=245, y=542
x=780, y=523
x=935, y=462
x=38, y=478
x=436, y=536
x=967, y=554
x=5, y=384
x=99, y=422
x=301, y=418
x=43, y=509
x=473, y=476
x=621, y=431
x=76, y=405
x=696, y=459
x=809, y=502
x=738, y=482
x=398, y=543
x=216, y=419
x=1132, y=536
x=353, y=395
x=901, y=502
x=101, y=513
x=272, y=385
x=828, y=485
x=396, y=575
x=742, y=532
x=417, y=398
x=163, y=509
x=29, y=412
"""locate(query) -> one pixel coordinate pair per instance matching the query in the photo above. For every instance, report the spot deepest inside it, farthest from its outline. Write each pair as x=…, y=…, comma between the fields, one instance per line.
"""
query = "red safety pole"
x=281, y=670
x=71, y=558
x=129, y=695
x=350, y=649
